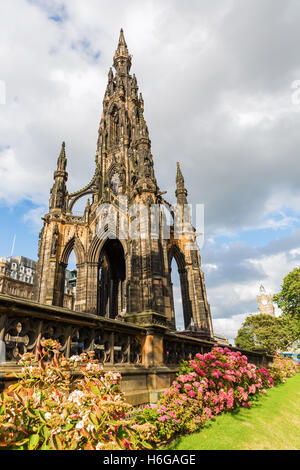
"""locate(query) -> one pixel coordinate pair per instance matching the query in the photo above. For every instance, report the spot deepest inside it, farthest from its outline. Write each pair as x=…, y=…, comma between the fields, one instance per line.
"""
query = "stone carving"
x=54, y=244
x=134, y=263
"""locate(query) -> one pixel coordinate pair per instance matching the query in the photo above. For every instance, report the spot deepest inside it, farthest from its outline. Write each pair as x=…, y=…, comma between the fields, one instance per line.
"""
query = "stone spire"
x=59, y=189
x=124, y=146
x=181, y=192
x=122, y=59
x=62, y=159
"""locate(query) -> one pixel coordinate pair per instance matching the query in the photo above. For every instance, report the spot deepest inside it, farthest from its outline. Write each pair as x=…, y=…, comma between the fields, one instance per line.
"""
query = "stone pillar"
x=153, y=348
x=92, y=287
x=81, y=288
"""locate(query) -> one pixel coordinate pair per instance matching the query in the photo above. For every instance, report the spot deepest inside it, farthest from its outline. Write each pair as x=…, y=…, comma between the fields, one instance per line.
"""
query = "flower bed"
x=50, y=409
x=209, y=385
x=73, y=403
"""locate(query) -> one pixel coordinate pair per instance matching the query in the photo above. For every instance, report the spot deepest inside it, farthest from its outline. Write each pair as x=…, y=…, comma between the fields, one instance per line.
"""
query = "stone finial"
x=122, y=58
x=62, y=159
x=181, y=192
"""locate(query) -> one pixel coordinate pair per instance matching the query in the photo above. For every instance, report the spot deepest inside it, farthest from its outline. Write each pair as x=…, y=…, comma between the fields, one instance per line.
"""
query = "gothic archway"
x=111, y=301
x=65, y=294
x=187, y=311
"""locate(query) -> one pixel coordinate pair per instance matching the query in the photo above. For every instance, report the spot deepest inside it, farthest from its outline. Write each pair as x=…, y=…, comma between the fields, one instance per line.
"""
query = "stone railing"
x=148, y=357
x=177, y=347
x=23, y=324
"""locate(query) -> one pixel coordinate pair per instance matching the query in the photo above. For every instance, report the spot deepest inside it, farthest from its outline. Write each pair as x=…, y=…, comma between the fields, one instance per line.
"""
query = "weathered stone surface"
x=121, y=274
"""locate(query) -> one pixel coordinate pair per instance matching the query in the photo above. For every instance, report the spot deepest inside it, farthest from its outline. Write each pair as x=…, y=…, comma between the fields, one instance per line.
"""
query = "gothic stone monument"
x=124, y=243
x=121, y=275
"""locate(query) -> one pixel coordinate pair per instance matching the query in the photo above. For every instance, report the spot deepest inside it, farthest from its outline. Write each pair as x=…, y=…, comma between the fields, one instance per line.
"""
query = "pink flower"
x=191, y=393
x=178, y=402
x=208, y=412
x=163, y=418
x=229, y=378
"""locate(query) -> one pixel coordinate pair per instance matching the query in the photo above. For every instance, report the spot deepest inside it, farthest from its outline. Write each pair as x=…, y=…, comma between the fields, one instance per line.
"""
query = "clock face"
x=264, y=302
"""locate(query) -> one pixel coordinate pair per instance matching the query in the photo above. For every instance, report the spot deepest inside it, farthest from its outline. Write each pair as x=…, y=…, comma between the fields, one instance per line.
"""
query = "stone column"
x=153, y=348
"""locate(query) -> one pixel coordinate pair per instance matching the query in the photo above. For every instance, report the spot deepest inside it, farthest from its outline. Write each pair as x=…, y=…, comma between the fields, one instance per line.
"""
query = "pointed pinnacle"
x=179, y=176
x=62, y=152
x=121, y=54
x=121, y=38
x=62, y=159
x=122, y=46
x=181, y=192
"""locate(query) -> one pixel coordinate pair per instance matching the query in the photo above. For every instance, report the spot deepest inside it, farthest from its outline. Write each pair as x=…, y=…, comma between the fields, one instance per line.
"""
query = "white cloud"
x=34, y=218
x=229, y=326
x=217, y=97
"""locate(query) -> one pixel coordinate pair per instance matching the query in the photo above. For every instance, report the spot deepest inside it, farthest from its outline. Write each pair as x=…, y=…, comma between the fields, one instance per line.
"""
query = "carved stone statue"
x=54, y=245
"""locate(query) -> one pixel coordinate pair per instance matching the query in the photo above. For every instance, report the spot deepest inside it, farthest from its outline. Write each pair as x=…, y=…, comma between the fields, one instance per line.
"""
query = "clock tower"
x=265, y=303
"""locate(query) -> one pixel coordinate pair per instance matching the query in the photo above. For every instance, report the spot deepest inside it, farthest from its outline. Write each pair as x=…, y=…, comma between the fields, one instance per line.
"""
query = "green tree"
x=265, y=332
x=288, y=299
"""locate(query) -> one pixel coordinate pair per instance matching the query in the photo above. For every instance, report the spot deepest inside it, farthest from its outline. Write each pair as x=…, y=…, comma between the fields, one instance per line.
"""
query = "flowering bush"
x=283, y=368
x=67, y=404
x=49, y=409
x=206, y=386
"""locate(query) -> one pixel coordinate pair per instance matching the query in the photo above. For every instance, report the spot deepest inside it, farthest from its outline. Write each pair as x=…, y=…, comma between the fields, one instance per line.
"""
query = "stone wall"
x=148, y=357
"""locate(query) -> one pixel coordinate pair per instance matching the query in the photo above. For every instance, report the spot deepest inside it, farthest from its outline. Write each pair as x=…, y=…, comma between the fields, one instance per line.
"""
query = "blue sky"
x=218, y=98
x=26, y=240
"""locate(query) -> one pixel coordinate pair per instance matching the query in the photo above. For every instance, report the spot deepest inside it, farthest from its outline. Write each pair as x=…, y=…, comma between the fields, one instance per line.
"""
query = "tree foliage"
x=275, y=333
x=288, y=299
x=265, y=332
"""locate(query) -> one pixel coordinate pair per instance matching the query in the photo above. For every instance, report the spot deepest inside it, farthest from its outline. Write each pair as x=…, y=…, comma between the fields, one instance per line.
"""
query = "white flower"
x=80, y=424
x=47, y=415
x=99, y=446
x=76, y=358
x=76, y=397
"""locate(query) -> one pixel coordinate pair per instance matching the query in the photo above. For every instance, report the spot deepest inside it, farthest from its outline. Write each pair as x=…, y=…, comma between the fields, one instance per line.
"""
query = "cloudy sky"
x=221, y=85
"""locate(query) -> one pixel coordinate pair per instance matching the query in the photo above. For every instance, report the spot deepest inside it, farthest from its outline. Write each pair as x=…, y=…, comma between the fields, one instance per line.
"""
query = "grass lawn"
x=273, y=423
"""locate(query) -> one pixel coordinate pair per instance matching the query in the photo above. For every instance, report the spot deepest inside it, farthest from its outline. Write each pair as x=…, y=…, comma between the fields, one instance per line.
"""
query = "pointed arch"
x=99, y=241
x=111, y=284
x=73, y=244
x=175, y=253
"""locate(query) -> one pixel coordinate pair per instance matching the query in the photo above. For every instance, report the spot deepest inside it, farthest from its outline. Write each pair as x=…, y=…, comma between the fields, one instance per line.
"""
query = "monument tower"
x=122, y=274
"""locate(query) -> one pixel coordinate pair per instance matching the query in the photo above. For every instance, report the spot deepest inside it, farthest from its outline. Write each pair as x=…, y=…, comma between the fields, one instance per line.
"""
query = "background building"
x=21, y=269
x=265, y=302
x=17, y=276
